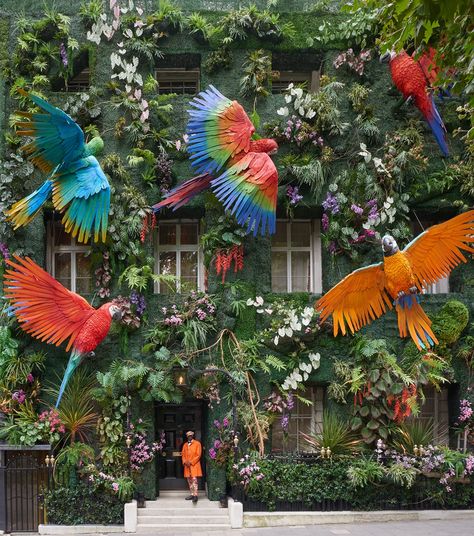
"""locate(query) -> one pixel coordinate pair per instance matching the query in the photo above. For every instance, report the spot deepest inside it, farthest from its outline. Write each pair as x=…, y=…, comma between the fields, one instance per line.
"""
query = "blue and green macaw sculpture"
x=79, y=188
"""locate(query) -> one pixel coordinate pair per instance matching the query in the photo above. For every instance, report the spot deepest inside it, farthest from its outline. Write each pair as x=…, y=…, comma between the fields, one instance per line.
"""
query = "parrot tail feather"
x=414, y=322
x=438, y=128
x=23, y=211
x=183, y=193
x=74, y=361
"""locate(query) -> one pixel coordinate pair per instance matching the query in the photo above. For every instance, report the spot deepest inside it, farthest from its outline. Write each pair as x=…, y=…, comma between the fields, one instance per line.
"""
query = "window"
x=281, y=80
x=296, y=257
x=80, y=82
x=178, y=80
x=178, y=254
x=441, y=286
x=297, y=69
x=68, y=260
x=436, y=409
x=304, y=418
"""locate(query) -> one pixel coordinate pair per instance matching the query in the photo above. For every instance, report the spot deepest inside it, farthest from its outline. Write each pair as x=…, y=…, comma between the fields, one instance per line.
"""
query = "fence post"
x=3, y=494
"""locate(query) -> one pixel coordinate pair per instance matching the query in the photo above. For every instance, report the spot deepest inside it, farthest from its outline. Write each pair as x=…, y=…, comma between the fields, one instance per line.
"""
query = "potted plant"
x=199, y=28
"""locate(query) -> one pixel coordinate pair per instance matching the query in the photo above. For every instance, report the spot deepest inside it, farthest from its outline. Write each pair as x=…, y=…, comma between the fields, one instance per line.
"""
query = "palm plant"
x=335, y=435
x=77, y=409
x=414, y=432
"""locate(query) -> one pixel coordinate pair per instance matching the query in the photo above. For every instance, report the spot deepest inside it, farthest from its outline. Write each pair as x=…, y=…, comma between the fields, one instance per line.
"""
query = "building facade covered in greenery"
x=219, y=333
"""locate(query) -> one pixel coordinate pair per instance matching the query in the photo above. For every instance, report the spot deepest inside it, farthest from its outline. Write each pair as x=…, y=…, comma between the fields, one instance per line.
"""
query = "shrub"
x=83, y=505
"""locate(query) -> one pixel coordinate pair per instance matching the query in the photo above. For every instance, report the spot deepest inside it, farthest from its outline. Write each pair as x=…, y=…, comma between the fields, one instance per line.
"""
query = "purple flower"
x=285, y=421
x=30, y=378
x=330, y=204
x=212, y=454
x=4, y=250
x=325, y=222
x=332, y=248
x=293, y=195
x=63, y=54
x=225, y=422
x=217, y=424
x=19, y=396
x=290, y=401
x=115, y=487
x=217, y=444
x=357, y=210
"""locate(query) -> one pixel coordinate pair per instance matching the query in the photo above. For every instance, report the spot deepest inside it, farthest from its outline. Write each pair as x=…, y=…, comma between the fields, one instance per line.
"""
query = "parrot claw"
x=91, y=354
x=413, y=290
x=408, y=100
x=401, y=294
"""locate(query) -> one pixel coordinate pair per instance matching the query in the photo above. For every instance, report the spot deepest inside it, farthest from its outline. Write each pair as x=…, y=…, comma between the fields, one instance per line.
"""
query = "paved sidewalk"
x=403, y=528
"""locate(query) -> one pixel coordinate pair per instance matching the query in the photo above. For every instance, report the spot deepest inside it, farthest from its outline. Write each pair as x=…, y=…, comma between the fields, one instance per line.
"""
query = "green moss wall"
x=258, y=255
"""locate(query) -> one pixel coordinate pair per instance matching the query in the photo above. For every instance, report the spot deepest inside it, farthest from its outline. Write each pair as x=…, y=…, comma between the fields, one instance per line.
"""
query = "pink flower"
x=115, y=487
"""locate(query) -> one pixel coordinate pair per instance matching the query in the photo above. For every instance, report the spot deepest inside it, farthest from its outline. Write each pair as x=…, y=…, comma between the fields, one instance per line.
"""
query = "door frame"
x=189, y=403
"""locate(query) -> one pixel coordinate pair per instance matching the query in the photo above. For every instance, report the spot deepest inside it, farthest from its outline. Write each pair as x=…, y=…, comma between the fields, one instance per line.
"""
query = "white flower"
x=298, y=92
x=276, y=340
x=259, y=300
x=287, y=99
x=249, y=301
x=269, y=311
x=288, y=332
x=310, y=114
x=283, y=111
x=281, y=332
x=305, y=376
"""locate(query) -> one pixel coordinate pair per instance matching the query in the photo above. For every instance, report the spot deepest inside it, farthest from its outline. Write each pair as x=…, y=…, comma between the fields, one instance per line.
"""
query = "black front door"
x=175, y=420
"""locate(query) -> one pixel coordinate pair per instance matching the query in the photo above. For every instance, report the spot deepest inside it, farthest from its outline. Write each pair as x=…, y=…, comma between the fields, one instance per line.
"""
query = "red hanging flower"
x=224, y=257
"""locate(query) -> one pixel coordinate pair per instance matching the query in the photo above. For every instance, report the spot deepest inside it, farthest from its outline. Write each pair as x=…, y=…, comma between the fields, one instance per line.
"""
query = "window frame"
x=315, y=255
x=73, y=249
x=315, y=424
x=295, y=77
x=177, y=71
x=178, y=248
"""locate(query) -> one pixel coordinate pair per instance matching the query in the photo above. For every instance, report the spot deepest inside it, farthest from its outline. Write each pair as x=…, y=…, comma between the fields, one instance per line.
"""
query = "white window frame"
x=73, y=249
x=314, y=248
x=178, y=249
x=315, y=424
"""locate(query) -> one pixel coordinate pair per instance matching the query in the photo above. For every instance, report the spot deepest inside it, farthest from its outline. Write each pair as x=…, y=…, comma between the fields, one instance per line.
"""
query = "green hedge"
x=83, y=505
x=313, y=484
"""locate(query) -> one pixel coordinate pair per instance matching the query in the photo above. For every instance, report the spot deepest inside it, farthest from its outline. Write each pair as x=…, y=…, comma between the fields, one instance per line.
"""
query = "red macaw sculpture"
x=367, y=293
x=51, y=313
x=238, y=169
x=409, y=77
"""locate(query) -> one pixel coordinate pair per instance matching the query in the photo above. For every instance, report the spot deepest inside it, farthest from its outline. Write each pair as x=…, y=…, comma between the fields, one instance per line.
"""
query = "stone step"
x=200, y=509
x=183, y=519
x=184, y=528
x=180, y=503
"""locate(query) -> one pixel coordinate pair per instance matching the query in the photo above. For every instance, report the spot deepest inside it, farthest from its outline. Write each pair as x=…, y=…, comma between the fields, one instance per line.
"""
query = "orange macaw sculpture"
x=367, y=293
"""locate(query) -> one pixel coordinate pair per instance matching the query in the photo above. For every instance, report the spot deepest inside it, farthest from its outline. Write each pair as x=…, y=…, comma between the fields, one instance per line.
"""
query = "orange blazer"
x=192, y=453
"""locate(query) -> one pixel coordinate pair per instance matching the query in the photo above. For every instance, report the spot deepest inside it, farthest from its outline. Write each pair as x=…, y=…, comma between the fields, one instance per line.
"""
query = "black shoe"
x=195, y=499
x=189, y=498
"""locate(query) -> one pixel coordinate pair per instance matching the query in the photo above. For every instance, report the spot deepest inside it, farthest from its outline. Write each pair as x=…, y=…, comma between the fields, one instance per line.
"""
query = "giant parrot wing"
x=43, y=307
x=249, y=190
x=218, y=130
x=434, y=253
x=356, y=300
x=57, y=139
x=82, y=192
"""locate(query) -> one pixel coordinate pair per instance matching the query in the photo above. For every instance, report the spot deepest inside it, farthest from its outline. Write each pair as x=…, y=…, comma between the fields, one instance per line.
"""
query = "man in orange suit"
x=191, y=455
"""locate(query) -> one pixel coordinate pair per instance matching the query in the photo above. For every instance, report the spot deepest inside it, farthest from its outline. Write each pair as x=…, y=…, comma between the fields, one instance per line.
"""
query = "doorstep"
x=286, y=519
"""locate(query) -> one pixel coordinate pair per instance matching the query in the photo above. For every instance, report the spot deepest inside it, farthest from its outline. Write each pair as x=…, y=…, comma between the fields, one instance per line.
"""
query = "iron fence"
x=24, y=480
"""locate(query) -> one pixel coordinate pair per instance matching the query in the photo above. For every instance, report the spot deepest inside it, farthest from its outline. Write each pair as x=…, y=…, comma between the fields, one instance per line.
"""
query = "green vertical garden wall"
x=433, y=200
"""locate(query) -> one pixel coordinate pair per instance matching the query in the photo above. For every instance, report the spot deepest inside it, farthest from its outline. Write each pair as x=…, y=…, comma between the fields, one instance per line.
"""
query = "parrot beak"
x=384, y=58
x=117, y=316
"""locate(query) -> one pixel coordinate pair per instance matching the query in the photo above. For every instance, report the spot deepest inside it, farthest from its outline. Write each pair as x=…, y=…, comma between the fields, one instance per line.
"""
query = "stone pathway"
x=403, y=528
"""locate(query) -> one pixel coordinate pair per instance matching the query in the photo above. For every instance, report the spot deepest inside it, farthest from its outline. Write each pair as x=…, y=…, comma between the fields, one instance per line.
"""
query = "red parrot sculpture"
x=51, y=313
x=238, y=169
x=410, y=79
x=367, y=293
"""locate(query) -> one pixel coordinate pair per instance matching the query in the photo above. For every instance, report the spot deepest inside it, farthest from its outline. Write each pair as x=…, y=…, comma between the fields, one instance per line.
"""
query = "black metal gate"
x=24, y=479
